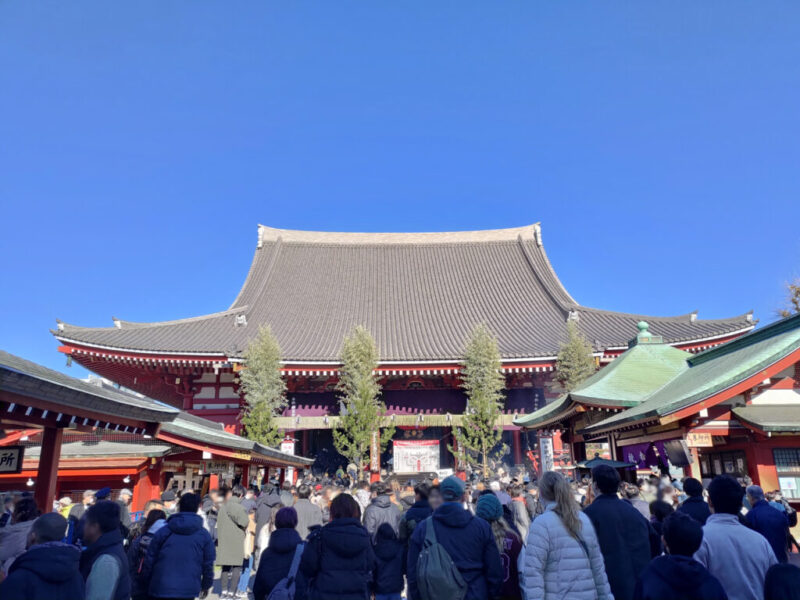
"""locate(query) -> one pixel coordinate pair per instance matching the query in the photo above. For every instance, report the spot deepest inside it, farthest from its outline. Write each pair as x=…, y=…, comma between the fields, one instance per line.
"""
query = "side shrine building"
x=419, y=294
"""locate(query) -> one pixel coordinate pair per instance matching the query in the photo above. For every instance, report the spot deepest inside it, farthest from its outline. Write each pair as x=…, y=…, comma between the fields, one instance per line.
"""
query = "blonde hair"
x=553, y=487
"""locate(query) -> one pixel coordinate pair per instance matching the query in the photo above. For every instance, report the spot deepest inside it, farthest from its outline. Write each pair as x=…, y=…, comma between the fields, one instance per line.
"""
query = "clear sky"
x=141, y=143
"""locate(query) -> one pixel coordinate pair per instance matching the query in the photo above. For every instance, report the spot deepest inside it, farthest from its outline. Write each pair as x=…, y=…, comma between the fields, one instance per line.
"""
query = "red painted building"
x=419, y=294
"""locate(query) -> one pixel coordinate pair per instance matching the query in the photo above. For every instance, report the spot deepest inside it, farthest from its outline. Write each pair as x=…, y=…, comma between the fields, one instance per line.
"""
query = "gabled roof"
x=626, y=382
x=192, y=427
x=420, y=294
x=27, y=378
x=714, y=371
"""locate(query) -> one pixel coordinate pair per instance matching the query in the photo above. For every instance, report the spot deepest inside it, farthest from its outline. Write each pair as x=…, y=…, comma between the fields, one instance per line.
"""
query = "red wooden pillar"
x=46, y=478
x=517, y=449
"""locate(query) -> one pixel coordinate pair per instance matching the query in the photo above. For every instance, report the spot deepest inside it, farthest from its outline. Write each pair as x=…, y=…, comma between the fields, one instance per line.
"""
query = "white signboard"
x=11, y=459
x=287, y=446
x=787, y=483
x=416, y=456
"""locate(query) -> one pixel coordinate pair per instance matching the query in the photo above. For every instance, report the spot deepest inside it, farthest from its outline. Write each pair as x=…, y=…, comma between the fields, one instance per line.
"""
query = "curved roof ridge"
x=748, y=316
x=272, y=234
x=143, y=325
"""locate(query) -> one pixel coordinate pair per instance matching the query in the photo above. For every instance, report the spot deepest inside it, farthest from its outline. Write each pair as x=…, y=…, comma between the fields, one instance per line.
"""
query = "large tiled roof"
x=419, y=294
x=783, y=418
x=713, y=371
x=27, y=378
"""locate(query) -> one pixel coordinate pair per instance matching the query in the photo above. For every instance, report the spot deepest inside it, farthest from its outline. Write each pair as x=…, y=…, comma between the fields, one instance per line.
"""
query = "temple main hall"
x=419, y=294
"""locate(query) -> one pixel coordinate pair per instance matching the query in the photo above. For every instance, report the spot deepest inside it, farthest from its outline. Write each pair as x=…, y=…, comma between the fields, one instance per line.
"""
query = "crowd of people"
x=501, y=539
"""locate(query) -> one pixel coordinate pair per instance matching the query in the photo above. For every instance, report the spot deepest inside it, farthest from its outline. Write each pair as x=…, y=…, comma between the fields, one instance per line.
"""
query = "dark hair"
x=726, y=495
x=303, y=491
x=105, y=513
x=606, y=478
x=152, y=517
x=286, y=518
x=50, y=527
x=378, y=487
x=25, y=510
x=189, y=503
x=630, y=490
x=515, y=490
x=238, y=491
x=286, y=485
x=682, y=534
x=660, y=510
x=692, y=487
x=422, y=489
x=344, y=506
x=782, y=582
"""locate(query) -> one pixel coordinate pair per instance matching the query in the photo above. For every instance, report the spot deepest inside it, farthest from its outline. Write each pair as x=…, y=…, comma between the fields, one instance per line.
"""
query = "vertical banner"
x=375, y=452
x=546, y=453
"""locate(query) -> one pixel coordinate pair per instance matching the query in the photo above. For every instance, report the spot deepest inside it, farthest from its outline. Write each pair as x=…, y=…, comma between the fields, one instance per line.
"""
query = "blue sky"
x=141, y=143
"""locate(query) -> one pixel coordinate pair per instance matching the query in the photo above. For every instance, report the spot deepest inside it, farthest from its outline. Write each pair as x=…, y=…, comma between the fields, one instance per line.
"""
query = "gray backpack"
x=284, y=589
x=437, y=575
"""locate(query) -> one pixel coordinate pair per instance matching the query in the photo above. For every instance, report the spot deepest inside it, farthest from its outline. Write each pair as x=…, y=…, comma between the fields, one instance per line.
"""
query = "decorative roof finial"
x=643, y=327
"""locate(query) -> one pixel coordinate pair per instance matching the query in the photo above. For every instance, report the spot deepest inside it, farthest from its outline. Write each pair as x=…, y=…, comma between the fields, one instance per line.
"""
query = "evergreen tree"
x=362, y=411
x=575, y=361
x=792, y=299
x=263, y=387
x=483, y=383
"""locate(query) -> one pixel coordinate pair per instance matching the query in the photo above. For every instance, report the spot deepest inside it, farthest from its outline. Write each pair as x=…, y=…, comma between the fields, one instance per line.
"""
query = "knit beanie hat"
x=489, y=508
x=452, y=488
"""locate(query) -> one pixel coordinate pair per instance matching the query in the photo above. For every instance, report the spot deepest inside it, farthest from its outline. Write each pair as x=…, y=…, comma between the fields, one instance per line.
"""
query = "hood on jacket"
x=407, y=502
x=346, y=537
x=282, y=541
x=387, y=546
x=452, y=514
x=272, y=499
x=54, y=562
x=679, y=572
x=185, y=523
x=382, y=501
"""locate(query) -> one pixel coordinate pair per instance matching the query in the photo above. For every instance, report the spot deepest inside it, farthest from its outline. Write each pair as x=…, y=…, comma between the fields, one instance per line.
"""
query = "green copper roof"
x=713, y=371
x=547, y=414
x=631, y=377
x=625, y=382
x=770, y=417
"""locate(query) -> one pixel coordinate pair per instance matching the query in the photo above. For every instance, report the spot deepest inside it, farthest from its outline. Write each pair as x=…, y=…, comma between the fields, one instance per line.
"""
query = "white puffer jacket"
x=557, y=566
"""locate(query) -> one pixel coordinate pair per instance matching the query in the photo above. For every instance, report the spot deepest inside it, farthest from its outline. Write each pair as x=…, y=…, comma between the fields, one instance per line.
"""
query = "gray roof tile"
x=419, y=294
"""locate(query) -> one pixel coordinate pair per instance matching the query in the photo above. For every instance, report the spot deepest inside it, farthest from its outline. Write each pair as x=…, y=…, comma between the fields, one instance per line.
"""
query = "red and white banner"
x=416, y=456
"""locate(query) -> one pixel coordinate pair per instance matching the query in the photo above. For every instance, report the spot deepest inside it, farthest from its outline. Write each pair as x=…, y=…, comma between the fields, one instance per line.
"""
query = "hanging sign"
x=287, y=446
x=375, y=452
x=699, y=440
x=11, y=459
x=219, y=467
x=546, y=452
x=416, y=456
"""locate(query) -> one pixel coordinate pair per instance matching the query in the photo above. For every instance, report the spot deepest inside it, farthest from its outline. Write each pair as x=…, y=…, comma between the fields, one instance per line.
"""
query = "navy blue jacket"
x=697, y=508
x=109, y=543
x=180, y=559
x=338, y=561
x=390, y=562
x=469, y=542
x=677, y=578
x=624, y=536
x=416, y=514
x=47, y=570
x=275, y=562
x=773, y=524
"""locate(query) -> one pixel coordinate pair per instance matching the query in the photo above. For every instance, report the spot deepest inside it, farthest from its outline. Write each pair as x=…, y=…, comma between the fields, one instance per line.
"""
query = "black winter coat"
x=469, y=542
x=697, y=508
x=264, y=508
x=415, y=515
x=48, y=571
x=339, y=561
x=275, y=563
x=677, y=578
x=624, y=536
x=390, y=562
x=109, y=543
x=381, y=511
